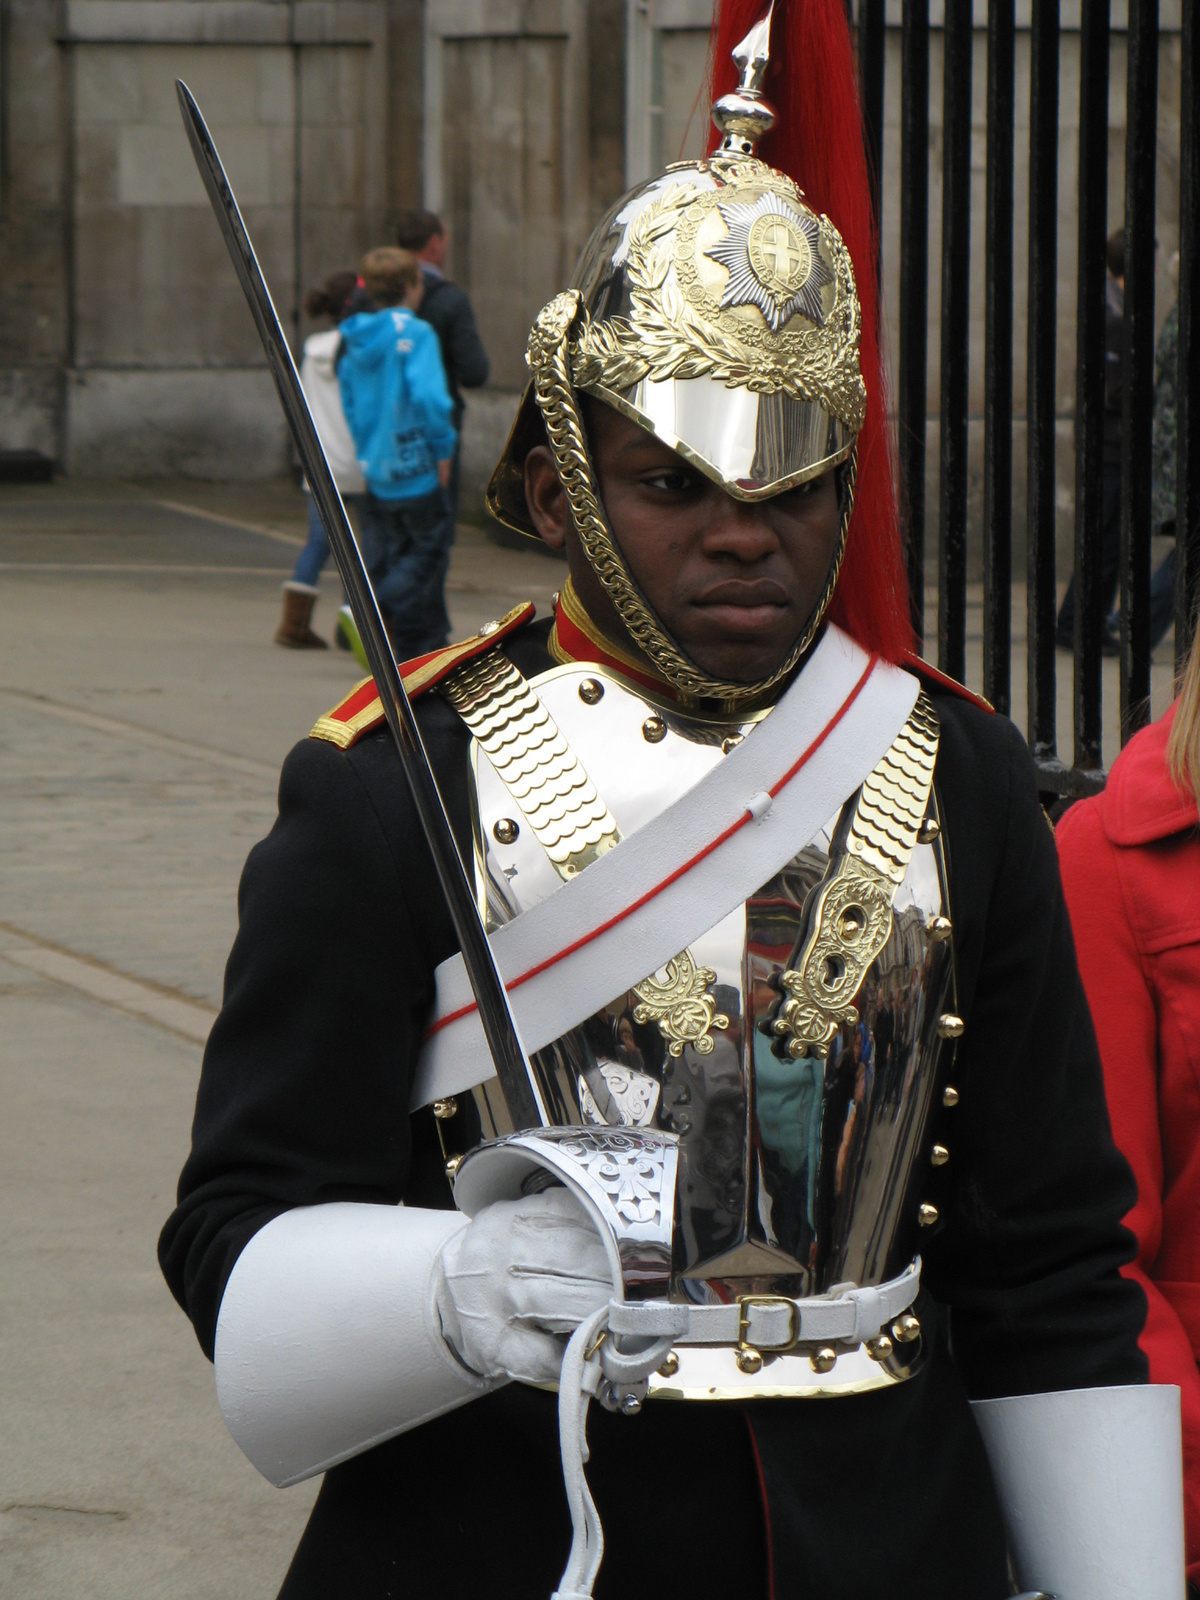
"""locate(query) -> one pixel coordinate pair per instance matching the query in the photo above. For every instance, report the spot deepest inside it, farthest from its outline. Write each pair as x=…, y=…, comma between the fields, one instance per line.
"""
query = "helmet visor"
x=754, y=445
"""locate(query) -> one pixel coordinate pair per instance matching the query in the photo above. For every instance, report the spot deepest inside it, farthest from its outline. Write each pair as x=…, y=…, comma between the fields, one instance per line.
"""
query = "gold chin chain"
x=549, y=362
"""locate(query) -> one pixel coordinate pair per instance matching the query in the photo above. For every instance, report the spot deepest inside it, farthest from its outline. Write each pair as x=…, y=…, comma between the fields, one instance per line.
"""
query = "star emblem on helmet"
x=771, y=255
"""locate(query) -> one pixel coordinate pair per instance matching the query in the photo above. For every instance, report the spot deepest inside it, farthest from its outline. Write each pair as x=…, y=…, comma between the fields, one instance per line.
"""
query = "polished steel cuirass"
x=795, y=1175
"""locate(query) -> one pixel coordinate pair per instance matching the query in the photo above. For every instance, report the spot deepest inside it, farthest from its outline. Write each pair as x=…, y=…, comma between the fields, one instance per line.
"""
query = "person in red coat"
x=1130, y=861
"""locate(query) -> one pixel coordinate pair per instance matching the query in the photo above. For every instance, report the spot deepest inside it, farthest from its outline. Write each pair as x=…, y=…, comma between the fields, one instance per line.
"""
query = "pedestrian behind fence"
x=400, y=414
x=448, y=311
x=1165, y=460
x=318, y=377
x=1109, y=553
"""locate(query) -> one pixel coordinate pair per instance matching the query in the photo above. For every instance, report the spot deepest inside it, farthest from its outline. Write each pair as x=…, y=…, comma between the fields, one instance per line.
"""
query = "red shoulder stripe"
x=362, y=708
x=940, y=680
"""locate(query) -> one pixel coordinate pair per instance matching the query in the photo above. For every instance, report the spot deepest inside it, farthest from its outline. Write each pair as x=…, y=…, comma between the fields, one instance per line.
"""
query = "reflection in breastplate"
x=801, y=1093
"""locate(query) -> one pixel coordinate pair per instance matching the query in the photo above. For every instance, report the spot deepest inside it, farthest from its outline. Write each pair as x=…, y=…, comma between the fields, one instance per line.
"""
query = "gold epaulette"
x=362, y=708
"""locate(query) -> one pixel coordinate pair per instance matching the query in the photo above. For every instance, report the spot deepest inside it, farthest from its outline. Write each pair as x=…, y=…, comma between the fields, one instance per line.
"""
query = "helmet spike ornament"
x=718, y=309
x=743, y=116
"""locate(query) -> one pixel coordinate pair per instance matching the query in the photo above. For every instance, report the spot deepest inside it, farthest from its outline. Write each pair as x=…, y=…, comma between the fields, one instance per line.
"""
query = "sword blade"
x=517, y=1081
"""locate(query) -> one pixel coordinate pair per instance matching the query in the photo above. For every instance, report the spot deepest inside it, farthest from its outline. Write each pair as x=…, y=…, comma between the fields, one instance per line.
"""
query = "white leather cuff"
x=328, y=1341
x=1091, y=1485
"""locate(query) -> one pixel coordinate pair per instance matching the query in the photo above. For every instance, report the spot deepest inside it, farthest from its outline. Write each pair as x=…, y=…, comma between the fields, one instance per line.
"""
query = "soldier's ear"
x=545, y=497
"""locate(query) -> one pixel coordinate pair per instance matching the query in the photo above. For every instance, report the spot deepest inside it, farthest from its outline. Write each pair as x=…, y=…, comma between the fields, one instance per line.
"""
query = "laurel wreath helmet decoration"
x=679, y=328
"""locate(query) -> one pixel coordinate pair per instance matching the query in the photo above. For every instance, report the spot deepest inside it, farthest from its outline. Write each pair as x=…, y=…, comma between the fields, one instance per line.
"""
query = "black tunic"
x=304, y=1099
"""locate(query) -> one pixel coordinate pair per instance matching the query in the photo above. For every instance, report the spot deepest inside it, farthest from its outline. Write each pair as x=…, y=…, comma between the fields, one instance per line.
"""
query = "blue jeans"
x=405, y=544
x=439, y=617
x=315, y=554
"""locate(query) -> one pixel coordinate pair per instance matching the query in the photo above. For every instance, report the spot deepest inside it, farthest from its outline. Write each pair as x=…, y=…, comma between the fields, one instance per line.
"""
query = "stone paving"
x=144, y=712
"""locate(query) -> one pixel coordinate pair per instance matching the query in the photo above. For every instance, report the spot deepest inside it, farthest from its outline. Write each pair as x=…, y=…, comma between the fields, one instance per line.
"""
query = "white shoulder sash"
x=657, y=891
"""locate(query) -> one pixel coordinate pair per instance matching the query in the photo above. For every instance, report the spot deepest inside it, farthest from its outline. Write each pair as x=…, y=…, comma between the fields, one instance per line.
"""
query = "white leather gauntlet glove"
x=517, y=1281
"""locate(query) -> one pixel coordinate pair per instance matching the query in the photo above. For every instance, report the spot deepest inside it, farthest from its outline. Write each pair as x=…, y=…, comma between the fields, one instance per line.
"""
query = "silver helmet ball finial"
x=744, y=116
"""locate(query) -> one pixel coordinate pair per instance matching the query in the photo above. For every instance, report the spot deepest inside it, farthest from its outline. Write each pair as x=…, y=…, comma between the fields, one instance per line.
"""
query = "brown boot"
x=294, y=630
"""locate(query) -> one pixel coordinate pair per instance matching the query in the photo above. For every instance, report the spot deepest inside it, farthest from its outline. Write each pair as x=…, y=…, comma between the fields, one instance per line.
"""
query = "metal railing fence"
x=1085, y=773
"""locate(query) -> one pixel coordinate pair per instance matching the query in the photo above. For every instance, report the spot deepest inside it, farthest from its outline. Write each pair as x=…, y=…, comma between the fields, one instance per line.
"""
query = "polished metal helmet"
x=713, y=307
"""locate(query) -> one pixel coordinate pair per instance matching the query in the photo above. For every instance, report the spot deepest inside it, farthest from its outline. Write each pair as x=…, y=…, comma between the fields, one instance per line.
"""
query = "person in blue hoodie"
x=400, y=415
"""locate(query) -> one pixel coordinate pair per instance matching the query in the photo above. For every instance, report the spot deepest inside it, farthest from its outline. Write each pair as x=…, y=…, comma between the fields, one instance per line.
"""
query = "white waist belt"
x=767, y=1322
x=771, y=1322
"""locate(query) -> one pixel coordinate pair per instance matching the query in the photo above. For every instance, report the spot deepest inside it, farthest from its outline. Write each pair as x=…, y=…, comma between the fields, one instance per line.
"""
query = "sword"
x=517, y=1081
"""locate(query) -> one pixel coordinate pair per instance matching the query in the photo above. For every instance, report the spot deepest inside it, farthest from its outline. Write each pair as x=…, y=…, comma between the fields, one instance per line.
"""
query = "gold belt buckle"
x=746, y=1303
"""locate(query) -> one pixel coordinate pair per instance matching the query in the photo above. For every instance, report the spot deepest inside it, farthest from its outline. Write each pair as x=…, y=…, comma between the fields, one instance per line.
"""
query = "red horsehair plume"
x=817, y=141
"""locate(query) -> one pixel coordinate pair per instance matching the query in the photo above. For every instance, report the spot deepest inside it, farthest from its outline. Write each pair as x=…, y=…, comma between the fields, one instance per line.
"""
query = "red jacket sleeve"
x=1126, y=1022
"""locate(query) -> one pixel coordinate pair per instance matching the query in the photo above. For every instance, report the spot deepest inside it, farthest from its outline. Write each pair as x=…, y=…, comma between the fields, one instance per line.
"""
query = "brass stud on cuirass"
x=939, y=1155
x=906, y=1329
x=949, y=1096
x=591, y=691
x=824, y=1359
x=505, y=831
x=654, y=730
x=949, y=1026
x=939, y=928
x=443, y=1110
x=670, y=1366
x=879, y=1349
x=749, y=1361
x=928, y=831
x=927, y=1215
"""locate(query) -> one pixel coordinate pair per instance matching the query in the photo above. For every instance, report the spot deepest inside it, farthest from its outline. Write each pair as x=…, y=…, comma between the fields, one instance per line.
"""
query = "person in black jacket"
x=303, y=1101
x=1108, y=555
x=448, y=309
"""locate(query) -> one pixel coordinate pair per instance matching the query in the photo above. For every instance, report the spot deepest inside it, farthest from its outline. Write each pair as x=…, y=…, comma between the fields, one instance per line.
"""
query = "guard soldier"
x=826, y=1190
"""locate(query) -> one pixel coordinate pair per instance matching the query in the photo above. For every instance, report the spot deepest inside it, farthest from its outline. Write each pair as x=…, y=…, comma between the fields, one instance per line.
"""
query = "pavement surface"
x=144, y=713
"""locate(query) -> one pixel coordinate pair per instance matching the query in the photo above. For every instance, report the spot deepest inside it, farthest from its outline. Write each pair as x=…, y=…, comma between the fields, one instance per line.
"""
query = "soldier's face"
x=733, y=583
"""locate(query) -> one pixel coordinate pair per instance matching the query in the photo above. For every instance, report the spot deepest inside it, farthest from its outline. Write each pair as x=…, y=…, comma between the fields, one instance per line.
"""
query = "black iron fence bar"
x=1089, y=375
x=914, y=293
x=871, y=44
x=1187, y=398
x=956, y=339
x=1137, y=401
x=1040, y=397
x=997, y=357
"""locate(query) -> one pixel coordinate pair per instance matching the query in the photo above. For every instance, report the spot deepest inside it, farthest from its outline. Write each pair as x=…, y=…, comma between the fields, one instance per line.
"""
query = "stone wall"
x=124, y=343
x=34, y=308
x=127, y=346
x=523, y=152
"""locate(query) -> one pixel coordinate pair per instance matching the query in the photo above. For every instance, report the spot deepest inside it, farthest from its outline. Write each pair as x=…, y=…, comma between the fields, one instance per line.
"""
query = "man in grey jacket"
x=448, y=310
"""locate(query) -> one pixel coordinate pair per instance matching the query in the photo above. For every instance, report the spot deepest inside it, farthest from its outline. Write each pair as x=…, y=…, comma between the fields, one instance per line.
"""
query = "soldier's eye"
x=671, y=481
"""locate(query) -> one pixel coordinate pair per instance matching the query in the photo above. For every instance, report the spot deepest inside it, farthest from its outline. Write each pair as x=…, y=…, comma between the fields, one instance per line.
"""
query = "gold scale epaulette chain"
x=852, y=915
x=571, y=822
